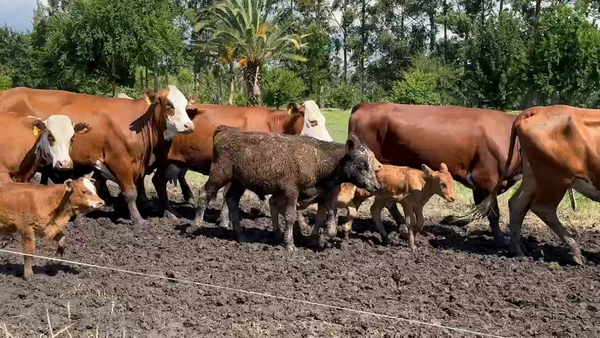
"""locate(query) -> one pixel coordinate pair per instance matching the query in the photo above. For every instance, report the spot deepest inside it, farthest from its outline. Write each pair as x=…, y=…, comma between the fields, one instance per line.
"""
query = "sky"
x=17, y=14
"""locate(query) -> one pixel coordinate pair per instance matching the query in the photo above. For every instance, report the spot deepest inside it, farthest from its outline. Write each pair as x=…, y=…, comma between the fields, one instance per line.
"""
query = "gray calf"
x=291, y=168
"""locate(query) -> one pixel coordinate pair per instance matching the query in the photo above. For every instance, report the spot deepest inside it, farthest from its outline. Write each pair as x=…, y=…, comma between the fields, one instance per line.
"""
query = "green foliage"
x=564, y=58
x=342, y=96
x=5, y=82
x=281, y=87
x=429, y=82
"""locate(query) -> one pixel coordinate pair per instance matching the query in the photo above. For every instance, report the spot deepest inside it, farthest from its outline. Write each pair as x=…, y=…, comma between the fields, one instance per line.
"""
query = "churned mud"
x=453, y=279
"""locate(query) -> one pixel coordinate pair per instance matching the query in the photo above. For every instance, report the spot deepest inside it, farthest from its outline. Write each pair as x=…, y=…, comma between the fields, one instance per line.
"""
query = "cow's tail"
x=572, y=199
x=487, y=205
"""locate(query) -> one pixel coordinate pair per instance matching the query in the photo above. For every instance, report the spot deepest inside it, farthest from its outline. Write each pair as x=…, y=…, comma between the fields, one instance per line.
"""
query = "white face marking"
x=61, y=128
x=311, y=114
x=90, y=186
x=177, y=123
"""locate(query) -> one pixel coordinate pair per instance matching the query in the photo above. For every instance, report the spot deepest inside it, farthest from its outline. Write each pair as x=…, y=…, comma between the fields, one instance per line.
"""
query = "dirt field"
x=454, y=279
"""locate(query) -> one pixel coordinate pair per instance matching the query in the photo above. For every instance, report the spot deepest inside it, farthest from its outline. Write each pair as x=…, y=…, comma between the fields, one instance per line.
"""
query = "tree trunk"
x=141, y=80
x=146, y=84
x=431, y=29
x=155, y=76
x=501, y=5
x=254, y=85
x=362, y=51
x=345, y=60
x=482, y=13
x=536, y=18
x=231, y=92
x=167, y=69
x=114, y=86
x=219, y=84
x=196, y=84
x=446, y=29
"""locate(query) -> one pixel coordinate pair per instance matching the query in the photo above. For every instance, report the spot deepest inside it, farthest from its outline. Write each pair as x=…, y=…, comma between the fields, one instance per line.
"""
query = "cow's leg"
x=233, y=196
x=518, y=205
x=291, y=199
x=160, y=184
x=29, y=248
x=493, y=215
x=376, y=208
x=188, y=195
x=141, y=189
x=544, y=206
x=352, y=213
x=274, y=207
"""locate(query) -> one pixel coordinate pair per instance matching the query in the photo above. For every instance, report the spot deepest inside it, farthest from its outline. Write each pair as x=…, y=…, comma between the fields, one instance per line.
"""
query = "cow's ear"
x=443, y=167
x=82, y=128
x=352, y=143
x=191, y=111
x=38, y=126
x=428, y=171
x=69, y=184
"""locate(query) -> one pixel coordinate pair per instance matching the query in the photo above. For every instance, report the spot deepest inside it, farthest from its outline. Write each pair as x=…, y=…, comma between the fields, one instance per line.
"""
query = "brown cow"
x=559, y=147
x=44, y=211
x=28, y=143
x=472, y=142
x=126, y=132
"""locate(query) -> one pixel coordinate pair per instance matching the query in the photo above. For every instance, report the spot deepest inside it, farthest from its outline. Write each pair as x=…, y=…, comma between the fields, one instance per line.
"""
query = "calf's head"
x=83, y=197
x=56, y=138
x=173, y=104
x=443, y=183
x=359, y=165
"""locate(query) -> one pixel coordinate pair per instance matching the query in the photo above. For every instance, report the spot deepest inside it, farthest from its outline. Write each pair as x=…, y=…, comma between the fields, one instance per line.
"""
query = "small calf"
x=291, y=168
x=412, y=188
x=44, y=211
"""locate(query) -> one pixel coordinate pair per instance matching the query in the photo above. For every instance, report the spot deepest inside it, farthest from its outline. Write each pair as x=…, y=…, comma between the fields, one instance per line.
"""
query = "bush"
x=281, y=86
x=429, y=82
x=376, y=93
x=342, y=96
x=5, y=82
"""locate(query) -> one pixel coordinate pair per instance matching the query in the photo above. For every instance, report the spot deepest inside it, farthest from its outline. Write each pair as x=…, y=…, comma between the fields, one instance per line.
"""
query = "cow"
x=293, y=168
x=195, y=151
x=559, y=147
x=44, y=211
x=28, y=143
x=124, y=96
x=472, y=142
x=127, y=133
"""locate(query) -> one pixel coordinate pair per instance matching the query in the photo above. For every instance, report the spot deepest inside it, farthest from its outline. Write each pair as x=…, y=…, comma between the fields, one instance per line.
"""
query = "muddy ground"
x=453, y=279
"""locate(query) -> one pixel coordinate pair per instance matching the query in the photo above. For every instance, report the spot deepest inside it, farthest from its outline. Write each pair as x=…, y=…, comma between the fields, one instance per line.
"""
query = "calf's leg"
x=233, y=196
x=291, y=198
x=29, y=248
x=376, y=208
x=275, y=212
x=224, y=215
x=188, y=195
x=160, y=184
x=62, y=243
x=396, y=215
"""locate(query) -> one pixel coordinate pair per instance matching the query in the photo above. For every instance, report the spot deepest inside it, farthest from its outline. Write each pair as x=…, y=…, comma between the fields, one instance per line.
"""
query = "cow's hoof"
x=141, y=222
x=242, y=238
x=385, y=241
x=500, y=241
x=278, y=235
x=291, y=247
x=191, y=202
x=171, y=215
x=27, y=275
x=578, y=260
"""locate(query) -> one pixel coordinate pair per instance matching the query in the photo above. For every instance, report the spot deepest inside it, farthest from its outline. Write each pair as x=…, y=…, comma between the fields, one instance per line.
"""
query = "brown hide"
x=125, y=132
x=43, y=211
x=474, y=143
x=17, y=148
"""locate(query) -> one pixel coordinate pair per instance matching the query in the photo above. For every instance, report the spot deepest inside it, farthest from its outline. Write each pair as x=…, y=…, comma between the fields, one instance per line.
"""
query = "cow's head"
x=442, y=182
x=314, y=122
x=173, y=106
x=359, y=165
x=56, y=138
x=83, y=197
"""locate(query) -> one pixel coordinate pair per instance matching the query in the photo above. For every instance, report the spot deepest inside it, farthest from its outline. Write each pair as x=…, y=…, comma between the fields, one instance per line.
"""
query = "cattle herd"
x=398, y=154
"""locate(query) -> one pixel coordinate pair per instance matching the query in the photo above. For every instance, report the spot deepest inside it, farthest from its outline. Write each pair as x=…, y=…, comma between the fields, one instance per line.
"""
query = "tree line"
x=503, y=54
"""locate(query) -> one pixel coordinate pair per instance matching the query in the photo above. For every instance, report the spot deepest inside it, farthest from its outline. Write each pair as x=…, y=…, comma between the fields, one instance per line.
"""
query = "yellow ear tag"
x=289, y=111
x=148, y=101
x=36, y=131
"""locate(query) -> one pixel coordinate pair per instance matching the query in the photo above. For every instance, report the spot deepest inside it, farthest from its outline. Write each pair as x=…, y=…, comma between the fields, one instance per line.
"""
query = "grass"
x=585, y=214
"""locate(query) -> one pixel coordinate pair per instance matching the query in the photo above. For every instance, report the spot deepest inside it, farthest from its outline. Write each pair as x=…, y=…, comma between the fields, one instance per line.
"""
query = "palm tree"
x=242, y=26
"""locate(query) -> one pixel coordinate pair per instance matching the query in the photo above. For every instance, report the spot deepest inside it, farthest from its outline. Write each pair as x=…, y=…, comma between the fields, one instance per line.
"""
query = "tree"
x=282, y=86
x=243, y=26
x=564, y=58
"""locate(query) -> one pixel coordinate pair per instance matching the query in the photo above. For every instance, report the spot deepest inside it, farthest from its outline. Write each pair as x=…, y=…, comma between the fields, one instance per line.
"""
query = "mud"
x=453, y=279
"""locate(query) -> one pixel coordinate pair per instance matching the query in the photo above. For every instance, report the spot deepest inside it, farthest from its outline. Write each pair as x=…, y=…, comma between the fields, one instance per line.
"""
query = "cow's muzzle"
x=63, y=165
x=188, y=127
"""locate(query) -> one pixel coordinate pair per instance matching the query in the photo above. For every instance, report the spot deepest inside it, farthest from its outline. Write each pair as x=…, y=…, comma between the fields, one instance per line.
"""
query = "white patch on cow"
x=180, y=121
x=312, y=114
x=124, y=96
x=172, y=173
x=104, y=171
x=89, y=185
x=587, y=189
x=61, y=128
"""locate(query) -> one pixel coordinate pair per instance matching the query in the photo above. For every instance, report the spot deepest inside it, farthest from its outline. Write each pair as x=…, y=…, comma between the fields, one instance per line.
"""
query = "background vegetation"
x=503, y=54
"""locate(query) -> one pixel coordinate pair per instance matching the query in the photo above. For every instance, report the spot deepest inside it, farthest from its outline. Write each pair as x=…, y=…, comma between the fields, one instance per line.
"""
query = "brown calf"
x=411, y=188
x=44, y=211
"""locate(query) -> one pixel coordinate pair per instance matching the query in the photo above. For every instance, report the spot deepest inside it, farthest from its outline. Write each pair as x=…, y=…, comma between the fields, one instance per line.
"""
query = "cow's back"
x=412, y=135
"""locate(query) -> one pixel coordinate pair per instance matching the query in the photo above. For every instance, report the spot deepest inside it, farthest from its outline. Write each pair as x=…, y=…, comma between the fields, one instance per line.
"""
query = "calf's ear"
x=352, y=143
x=69, y=184
x=82, y=128
x=443, y=167
x=428, y=171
